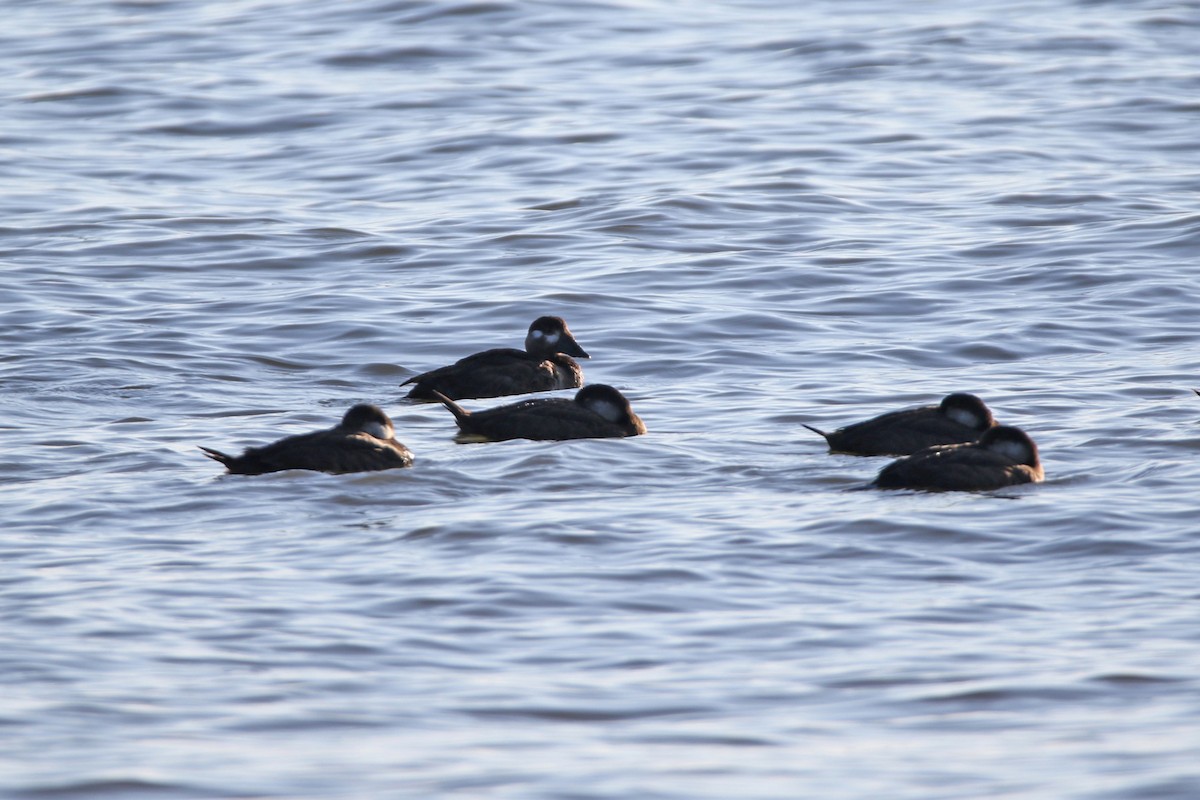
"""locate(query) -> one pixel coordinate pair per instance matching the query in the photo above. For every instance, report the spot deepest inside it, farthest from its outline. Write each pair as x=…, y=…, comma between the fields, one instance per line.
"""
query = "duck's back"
x=900, y=433
x=323, y=451
x=543, y=419
x=960, y=467
x=496, y=373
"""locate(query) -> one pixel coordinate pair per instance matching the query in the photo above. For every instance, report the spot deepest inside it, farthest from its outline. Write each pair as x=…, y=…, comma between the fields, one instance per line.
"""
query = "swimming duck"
x=364, y=441
x=596, y=412
x=543, y=365
x=1003, y=456
x=960, y=417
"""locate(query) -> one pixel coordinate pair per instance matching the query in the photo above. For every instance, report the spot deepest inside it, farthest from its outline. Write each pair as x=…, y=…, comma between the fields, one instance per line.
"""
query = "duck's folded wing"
x=492, y=373
x=954, y=468
x=540, y=419
x=894, y=433
x=361, y=452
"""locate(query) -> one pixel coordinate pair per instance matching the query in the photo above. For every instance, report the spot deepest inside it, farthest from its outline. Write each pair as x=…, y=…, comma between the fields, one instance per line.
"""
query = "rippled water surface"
x=225, y=222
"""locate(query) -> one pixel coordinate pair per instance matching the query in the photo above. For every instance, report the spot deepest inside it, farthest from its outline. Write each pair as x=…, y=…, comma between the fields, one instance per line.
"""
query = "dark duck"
x=364, y=441
x=543, y=365
x=960, y=417
x=596, y=412
x=1003, y=456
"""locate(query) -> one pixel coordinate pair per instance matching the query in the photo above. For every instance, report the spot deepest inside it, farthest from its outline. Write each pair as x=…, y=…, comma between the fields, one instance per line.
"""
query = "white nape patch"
x=610, y=411
x=963, y=417
x=377, y=429
x=1017, y=451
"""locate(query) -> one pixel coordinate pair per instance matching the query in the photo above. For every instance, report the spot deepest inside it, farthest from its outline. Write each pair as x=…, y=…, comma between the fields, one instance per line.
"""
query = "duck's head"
x=550, y=335
x=1012, y=443
x=610, y=405
x=967, y=409
x=369, y=419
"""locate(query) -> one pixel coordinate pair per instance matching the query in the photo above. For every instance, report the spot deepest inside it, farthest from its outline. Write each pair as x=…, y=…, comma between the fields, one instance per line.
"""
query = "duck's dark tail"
x=421, y=391
x=817, y=431
x=461, y=415
x=216, y=455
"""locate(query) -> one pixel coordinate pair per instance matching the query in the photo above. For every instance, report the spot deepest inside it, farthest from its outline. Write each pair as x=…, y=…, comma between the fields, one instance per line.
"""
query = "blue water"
x=226, y=222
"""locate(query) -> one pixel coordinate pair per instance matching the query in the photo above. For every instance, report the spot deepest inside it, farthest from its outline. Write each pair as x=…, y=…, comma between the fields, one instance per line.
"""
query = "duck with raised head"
x=596, y=412
x=1003, y=456
x=543, y=365
x=364, y=441
x=960, y=417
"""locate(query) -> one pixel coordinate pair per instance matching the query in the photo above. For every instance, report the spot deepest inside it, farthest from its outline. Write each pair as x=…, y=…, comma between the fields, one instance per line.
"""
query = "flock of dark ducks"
x=955, y=445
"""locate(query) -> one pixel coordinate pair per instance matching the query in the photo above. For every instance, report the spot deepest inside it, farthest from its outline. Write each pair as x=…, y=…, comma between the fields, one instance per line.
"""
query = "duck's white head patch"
x=378, y=430
x=1016, y=450
x=963, y=416
x=610, y=411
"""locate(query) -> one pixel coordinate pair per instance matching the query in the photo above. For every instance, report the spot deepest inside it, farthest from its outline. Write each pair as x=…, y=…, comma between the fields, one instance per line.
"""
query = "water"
x=227, y=222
